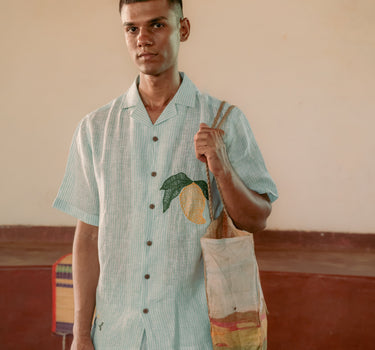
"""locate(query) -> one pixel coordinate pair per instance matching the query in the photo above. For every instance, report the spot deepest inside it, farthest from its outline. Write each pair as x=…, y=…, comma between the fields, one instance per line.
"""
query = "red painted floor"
x=319, y=296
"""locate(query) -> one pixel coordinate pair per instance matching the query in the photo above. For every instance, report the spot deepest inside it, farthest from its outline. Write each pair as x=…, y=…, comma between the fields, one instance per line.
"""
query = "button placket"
x=153, y=190
x=154, y=173
x=155, y=140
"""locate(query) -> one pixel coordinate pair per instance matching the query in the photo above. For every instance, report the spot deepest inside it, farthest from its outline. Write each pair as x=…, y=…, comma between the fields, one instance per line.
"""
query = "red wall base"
x=26, y=309
x=311, y=311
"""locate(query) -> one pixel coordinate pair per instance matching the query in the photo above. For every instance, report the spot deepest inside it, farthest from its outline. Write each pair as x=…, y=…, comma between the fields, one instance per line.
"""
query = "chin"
x=150, y=71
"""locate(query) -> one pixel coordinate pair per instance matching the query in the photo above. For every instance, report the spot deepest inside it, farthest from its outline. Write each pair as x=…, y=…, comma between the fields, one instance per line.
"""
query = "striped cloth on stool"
x=62, y=296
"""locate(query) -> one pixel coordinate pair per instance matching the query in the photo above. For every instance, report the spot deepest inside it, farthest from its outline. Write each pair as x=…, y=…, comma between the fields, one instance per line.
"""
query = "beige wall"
x=302, y=71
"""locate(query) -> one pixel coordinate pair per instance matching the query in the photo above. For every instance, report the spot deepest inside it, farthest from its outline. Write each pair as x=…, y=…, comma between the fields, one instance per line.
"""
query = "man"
x=136, y=252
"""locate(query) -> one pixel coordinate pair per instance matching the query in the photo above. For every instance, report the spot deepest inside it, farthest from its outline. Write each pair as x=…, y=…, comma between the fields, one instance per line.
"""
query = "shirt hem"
x=75, y=212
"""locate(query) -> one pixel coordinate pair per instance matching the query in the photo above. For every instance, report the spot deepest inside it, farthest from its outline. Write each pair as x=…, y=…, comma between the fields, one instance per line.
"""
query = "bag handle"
x=216, y=125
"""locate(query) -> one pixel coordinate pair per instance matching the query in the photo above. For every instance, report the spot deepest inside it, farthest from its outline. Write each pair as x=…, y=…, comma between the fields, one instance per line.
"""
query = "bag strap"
x=225, y=116
x=216, y=125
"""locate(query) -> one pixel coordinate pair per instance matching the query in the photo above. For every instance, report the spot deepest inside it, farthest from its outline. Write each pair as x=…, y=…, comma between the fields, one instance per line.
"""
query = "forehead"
x=145, y=11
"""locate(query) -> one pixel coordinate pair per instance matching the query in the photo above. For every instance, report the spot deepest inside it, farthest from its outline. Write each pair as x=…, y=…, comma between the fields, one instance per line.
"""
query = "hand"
x=82, y=343
x=210, y=148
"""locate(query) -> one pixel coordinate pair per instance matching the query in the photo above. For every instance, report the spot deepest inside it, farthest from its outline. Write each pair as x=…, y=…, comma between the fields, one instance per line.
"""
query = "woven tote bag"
x=236, y=306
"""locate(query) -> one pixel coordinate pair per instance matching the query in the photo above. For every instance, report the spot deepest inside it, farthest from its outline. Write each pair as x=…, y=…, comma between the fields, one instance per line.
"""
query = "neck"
x=157, y=91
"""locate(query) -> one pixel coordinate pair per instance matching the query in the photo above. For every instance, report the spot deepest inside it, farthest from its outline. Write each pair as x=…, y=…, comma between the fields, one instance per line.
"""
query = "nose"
x=144, y=38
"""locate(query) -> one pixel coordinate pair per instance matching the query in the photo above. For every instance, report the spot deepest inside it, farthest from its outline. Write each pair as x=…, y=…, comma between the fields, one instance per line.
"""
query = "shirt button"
x=149, y=243
x=152, y=206
x=145, y=311
x=155, y=139
x=147, y=277
x=153, y=173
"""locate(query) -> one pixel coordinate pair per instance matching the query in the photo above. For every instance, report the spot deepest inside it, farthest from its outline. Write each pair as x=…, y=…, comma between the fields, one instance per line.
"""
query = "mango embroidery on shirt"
x=192, y=196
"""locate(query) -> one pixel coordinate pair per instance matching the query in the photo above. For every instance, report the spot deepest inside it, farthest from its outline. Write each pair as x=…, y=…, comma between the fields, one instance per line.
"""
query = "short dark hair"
x=171, y=3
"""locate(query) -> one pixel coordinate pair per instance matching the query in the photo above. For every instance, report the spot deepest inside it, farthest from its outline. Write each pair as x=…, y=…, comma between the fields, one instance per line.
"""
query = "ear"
x=184, y=29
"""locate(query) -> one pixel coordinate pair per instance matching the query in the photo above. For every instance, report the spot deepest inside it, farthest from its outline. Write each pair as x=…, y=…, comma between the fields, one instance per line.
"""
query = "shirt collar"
x=185, y=96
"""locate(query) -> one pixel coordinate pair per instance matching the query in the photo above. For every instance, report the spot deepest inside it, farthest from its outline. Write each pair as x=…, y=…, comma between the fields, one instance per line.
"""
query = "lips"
x=146, y=55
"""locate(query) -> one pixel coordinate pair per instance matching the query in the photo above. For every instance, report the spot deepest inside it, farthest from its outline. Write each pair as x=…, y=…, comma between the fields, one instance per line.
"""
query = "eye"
x=158, y=25
x=131, y=30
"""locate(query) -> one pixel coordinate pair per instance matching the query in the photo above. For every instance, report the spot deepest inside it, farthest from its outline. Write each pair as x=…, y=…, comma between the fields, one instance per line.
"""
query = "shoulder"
x=101, y=114
x=93, y=123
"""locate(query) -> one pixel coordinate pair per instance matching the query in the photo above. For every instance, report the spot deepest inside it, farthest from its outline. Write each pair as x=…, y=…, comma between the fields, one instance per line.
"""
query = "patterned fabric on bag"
x=236, y=306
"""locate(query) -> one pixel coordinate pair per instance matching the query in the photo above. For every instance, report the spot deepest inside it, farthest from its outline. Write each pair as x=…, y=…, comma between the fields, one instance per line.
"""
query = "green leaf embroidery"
x=169, y=195
x=203, y=186
x=173, y=186
x=175, y=181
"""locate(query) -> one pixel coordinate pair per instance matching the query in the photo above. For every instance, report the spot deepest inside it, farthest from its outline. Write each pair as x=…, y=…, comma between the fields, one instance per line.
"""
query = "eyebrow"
x=157, y=19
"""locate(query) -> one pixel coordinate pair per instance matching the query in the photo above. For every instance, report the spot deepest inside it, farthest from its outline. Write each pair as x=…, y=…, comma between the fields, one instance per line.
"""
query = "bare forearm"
x=85, y=277
x=248, y=209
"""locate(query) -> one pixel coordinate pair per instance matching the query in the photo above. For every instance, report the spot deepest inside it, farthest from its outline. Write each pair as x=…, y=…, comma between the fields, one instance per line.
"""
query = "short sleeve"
x=78, y=194
x=245, y=156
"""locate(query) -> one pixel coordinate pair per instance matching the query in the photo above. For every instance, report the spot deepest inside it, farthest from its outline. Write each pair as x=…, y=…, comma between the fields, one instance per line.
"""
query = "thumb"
x=203, y=125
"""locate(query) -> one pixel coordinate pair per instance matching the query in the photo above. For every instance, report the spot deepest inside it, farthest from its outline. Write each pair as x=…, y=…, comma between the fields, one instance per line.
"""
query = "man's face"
x=153, y=32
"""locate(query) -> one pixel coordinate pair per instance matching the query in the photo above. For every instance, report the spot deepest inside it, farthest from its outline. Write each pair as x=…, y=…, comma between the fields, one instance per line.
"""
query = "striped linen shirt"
x=143, y=186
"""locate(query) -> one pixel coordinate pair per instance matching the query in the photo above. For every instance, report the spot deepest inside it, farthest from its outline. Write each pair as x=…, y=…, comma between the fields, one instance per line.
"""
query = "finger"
x=200, y=156
x=206, y=128
x=207, y=132
x=200, y=138
x=203, y=126
x=203, y=158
